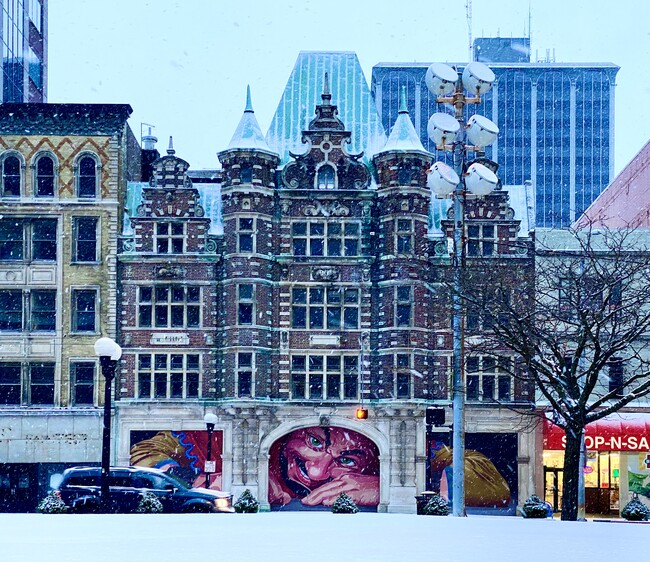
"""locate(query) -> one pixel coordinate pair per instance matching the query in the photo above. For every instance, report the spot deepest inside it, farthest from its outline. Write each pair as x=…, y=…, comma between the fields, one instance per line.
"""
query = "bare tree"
x=578, y=330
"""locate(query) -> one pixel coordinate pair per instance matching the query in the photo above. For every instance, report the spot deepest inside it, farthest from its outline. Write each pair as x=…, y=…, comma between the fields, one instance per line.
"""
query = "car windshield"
x=178, y=482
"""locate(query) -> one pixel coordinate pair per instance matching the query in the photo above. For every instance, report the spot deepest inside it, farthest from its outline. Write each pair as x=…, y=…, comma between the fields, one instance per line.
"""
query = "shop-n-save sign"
x=624, y=432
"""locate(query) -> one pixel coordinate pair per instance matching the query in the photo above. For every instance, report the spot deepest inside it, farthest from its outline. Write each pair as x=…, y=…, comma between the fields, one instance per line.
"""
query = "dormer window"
x=325, y=177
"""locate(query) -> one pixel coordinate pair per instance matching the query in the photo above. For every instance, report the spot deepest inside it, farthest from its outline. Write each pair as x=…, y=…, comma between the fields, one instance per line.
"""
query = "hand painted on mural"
x=182, y=452
x=316, y=464
x=484, y=485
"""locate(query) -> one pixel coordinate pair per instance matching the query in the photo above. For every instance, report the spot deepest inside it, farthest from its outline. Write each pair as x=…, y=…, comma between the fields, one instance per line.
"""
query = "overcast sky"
x=184, y=65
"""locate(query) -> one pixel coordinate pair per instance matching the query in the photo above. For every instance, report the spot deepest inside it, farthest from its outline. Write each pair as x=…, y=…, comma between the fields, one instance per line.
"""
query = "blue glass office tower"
x=556, y=124
x=24, y=50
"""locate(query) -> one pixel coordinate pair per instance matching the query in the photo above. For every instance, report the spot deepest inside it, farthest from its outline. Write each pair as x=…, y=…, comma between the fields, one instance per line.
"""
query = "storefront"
x=617, y=462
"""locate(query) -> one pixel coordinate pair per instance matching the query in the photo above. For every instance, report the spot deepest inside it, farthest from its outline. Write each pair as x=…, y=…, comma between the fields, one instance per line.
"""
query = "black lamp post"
x=109, y=354
x=210, y=422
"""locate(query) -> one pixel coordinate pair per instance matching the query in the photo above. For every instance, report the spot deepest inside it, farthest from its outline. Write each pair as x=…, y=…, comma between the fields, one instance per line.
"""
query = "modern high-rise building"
x=556, y=122
x=24, y=51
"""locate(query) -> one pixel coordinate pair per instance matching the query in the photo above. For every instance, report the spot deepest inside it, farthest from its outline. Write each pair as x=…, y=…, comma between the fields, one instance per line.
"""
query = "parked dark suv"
x=80, y=490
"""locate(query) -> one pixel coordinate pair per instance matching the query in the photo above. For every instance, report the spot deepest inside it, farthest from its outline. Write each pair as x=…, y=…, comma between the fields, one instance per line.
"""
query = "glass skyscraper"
x=24, y=50
x=556, y=124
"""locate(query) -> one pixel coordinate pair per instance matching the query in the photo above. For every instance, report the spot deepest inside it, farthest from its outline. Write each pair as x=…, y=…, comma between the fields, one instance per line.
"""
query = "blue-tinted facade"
x=556, y=126
x=24, y=50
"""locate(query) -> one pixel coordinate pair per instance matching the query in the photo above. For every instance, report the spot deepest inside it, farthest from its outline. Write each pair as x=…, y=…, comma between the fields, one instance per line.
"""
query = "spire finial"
x=326, y=96
x=249, y=104
x=171, y=150
x=403, y=108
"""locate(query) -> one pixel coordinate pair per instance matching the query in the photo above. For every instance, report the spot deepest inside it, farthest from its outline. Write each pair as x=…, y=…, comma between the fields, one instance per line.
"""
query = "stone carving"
x=170, y=272
x=332, y=209
x=325, y=273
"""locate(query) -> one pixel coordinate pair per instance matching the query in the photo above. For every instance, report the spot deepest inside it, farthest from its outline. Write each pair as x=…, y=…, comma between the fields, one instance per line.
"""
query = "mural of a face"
x=316, y=464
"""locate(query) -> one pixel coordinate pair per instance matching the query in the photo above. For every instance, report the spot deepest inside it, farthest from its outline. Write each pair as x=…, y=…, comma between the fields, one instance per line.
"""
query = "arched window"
x=11, y=177
x=87, y=177
x=45, y=177
x=325, y=178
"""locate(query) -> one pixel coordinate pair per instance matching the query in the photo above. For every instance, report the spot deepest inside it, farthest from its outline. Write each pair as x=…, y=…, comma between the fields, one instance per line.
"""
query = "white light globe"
x=108, y=347
x=442, y=128
x=440, y=79
x=480, y=180
x=481, y=131
x=477, y=78
x=442, y=179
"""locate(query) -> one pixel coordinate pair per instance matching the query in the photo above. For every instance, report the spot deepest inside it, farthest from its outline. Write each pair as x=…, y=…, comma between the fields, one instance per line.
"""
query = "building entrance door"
x=18, y=486
x=553, y=487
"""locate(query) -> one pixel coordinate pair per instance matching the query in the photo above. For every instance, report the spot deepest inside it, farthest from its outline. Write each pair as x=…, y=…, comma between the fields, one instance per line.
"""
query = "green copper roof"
x=350, y=93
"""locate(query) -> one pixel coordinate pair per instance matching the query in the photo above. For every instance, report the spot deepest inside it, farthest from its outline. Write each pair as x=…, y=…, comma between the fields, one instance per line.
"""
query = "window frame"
x=306, y=240
x=189, y=305
x=403, y=365
x=28, y=242
x=154, y=376
x=75, y=385
x=75, y=292
x=488, y=371
x=246, y=234
x=76, y=242
x=324, y=313
x=404, y=237
x=169, y=238
x=80, y=180
x=402, y=305
x=245, y=304
x=37, y=177
x=245, y=369
x=481, y=245
x=312, y=377
x=4, y=175
x=37, y=385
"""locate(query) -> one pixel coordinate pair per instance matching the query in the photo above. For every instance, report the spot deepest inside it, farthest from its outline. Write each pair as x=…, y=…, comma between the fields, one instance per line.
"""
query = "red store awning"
x=616, y=432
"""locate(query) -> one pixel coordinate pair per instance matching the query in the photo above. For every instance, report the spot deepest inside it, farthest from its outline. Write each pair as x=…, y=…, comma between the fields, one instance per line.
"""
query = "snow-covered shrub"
x=344, y=504
x=635, y=510
x=149, y=503
x=436, y=505
x=52, y=503
x=534, y=508
x=247, y=503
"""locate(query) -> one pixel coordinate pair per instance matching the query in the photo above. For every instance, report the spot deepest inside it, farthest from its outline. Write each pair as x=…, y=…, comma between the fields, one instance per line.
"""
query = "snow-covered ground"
x=295, y=536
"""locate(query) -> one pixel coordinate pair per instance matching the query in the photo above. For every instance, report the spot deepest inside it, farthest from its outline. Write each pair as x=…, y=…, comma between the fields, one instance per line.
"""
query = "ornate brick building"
x=325, y=294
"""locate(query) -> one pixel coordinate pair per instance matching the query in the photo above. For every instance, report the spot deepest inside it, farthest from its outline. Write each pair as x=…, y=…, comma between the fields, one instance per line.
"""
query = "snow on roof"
x=350, y=93
x=248, y=134
x=403, y=137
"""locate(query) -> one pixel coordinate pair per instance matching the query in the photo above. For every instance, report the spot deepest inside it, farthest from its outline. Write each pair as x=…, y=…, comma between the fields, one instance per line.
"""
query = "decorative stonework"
x=325, y=273
x=170, y=272
x=332, y=209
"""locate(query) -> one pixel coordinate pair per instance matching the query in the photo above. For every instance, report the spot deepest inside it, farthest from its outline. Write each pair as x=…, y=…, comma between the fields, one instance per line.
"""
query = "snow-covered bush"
x=52, y=503
x=436, y=505
x=534, y=508
x=149, y=503
x=344, y=504
x=635, y=510
x=247, y=503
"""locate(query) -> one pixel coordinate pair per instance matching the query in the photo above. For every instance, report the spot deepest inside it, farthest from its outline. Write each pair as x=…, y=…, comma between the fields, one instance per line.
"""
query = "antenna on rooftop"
x=468, y=12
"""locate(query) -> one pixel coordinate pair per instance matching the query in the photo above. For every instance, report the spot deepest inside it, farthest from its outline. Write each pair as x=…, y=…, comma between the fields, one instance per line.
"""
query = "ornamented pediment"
x=330, y=209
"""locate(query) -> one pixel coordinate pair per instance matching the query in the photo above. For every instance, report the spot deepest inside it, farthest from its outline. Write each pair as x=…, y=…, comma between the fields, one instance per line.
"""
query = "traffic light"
x=435, y=416
x=362, y=414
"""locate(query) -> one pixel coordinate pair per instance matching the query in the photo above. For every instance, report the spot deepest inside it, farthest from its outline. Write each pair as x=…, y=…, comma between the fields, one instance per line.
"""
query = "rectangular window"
x=82, y=383
x=84, y=310
x=489, y=380
x=317, y=308
x=245, y=233
x=169, y=306
x=404, y=236
x=41, y=383
x=318, y=377
x=85, y=238
x=320, y=238
x=244, y=374
x=11, y=310
x=245, y=308
x=481, y=240
x=168, y=375
x=43, y=311
x=403, y=300
x=169, y=237
x=10, y=384
x=403, y=375
x=616, y=376
x=27, y=240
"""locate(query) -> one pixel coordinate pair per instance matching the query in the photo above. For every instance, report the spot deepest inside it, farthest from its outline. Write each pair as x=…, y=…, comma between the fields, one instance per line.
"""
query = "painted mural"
x=183, y=453
x=638, y=473
x=310, y=467
x=490, y=470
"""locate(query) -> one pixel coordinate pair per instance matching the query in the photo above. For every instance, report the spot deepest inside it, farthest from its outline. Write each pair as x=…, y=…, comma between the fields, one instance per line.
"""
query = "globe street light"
x=450, y=133
x=109, y=354
x=209, y=468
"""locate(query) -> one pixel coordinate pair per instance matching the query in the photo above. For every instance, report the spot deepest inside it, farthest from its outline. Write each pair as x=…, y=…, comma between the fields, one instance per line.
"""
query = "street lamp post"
x=109, y=354
x=210, y=421
x=450, y=133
